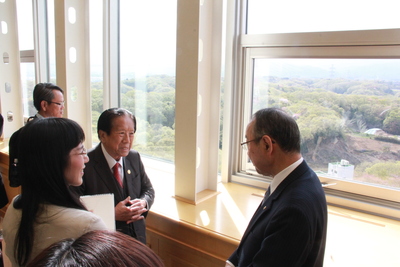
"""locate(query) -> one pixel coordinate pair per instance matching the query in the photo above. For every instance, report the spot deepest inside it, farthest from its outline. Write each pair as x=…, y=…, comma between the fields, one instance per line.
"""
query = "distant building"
x=341, y=169
x=375, y=131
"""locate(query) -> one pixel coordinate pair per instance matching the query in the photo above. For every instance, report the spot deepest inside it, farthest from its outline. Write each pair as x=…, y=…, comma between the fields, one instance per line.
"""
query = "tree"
x=391, y=124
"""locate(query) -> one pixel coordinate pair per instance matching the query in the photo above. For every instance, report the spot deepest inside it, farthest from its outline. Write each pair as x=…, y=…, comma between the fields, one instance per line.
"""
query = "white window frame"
x=369, y=44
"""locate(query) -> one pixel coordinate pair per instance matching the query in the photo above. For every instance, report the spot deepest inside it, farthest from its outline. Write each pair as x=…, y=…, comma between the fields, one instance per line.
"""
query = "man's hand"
x=130, y=210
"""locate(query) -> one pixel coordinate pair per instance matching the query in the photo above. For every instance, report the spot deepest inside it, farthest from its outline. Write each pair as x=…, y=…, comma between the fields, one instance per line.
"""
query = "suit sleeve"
x=147, y=191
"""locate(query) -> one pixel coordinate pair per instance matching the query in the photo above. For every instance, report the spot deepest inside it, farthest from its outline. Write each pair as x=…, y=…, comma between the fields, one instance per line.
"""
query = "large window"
x=36, y=39
x=144, y=64
x=147, y=69
x=348, y=111
x=341, y=86
x=96, y=62
x=26, y=44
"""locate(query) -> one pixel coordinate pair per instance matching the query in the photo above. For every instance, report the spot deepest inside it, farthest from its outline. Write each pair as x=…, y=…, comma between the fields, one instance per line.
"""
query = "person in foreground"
x=115, y=168
x=52, y=158
x=289, y=226
x=98, y=249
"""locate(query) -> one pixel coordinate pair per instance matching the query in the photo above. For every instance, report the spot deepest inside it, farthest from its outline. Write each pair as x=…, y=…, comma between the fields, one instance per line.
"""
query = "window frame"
x=368, y=44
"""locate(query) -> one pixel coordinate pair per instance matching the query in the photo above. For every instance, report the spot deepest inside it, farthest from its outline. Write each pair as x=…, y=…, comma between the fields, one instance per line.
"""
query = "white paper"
x=103, y=206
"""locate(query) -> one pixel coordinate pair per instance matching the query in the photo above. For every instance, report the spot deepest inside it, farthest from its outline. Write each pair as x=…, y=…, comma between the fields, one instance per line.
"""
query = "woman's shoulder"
x=12, y=215
x=74, y=217
x=68, y=212
x=11, y=210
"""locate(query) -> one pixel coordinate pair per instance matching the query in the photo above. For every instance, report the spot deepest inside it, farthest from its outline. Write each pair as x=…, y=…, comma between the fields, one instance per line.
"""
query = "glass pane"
x=51, y=40
x=28, y=83
x=25, y=24
x=96, y=62
x=147, y=46
x=348, y=111
x=285, y=16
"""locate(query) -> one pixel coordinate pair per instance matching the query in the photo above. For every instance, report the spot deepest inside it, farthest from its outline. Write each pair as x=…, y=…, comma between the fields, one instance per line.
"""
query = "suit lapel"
x=268, y=204
x=262, y=208
x=103, y=171
x=129, y=174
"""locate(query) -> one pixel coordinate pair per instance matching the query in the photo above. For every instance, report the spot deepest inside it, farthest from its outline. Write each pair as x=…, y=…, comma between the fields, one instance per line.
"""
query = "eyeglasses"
x=57, y=103
x=83, y=152
x=244, y=144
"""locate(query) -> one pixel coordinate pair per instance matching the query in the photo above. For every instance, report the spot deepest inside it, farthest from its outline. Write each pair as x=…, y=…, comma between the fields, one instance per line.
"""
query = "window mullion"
x=111, y=58
x=41, y=45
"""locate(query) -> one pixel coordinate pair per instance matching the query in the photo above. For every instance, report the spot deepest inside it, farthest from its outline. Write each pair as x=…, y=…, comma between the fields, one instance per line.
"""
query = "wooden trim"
x=179, y=242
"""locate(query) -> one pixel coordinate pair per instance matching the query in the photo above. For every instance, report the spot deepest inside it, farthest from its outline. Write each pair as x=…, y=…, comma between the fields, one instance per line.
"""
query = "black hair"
x=44, y=149
x=279, y=126
x=106, y=119
x=44, y=91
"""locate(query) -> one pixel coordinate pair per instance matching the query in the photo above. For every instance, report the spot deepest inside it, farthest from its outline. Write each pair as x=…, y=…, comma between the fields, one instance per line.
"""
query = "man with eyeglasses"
x=48, y=100
x=289, y=226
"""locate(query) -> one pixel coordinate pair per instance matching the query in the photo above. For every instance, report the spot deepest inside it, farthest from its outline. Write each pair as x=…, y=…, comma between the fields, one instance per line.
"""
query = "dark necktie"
x=116, y=174
x=257, y=214
x=266, y=195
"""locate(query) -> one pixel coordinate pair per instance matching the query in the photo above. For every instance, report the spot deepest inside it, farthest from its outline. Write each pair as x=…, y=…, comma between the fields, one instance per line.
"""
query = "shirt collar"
x=110, y=160
x=283, y=174
x=39, y=116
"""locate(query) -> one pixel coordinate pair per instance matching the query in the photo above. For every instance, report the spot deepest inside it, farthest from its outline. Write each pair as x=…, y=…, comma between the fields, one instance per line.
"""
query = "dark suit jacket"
x=289, y=229
x=98, y=179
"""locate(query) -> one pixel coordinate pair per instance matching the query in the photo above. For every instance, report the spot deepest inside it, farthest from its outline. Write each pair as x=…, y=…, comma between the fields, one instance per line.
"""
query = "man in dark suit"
x=289, y=226
x=132, y=189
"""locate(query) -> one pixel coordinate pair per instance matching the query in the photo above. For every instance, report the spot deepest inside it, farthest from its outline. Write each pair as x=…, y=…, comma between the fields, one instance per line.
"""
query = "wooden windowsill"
x=354, y=238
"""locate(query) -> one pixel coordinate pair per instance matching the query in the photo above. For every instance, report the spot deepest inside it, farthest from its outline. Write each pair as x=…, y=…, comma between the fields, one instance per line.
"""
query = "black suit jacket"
x=289, y=229
x=98, y=179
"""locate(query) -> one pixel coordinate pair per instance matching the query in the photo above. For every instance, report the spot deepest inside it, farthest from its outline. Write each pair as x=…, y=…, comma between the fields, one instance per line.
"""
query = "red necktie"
x=116, y=174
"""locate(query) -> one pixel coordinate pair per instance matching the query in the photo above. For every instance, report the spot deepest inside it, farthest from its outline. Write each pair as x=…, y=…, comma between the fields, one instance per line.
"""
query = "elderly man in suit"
x=289, y=226
x=115, y=168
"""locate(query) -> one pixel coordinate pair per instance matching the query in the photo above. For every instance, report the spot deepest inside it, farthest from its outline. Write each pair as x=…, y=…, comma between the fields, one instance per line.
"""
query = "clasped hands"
x=130, y=210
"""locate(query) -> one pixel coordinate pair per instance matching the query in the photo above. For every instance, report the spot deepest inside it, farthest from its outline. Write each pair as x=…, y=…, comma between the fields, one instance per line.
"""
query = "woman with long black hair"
x=52, y=158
